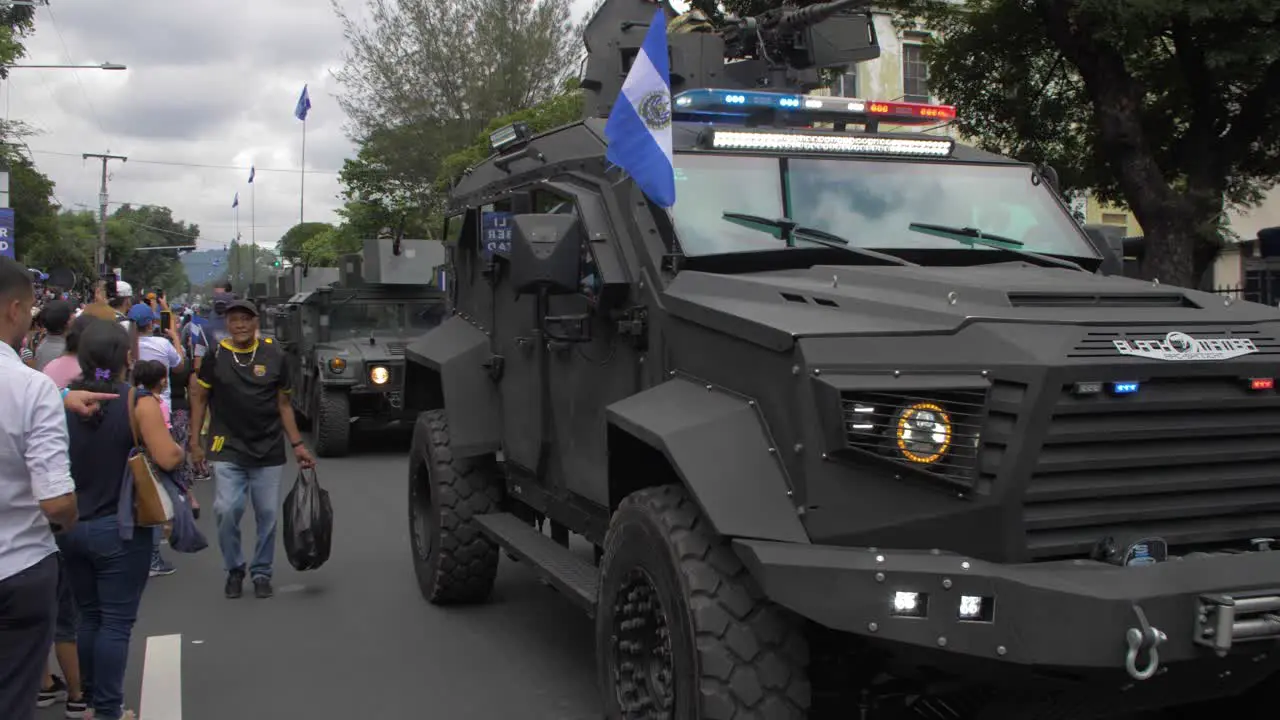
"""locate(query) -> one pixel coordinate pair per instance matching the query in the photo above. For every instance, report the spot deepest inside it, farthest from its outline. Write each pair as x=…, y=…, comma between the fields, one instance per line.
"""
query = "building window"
x=915, y=75
x=847, y=84
x=1115, y=219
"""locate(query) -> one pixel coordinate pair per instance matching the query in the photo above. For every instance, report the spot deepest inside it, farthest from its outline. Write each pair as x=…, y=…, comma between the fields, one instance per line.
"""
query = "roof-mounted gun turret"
x=780, y=50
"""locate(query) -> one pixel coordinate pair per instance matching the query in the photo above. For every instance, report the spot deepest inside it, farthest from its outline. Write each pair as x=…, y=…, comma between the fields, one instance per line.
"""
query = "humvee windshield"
x=869, y=202
x=359, y=318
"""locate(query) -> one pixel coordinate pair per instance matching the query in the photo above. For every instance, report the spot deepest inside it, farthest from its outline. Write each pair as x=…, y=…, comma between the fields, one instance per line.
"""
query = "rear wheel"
x=333, y=423
x=682, y=631
x=455, y=562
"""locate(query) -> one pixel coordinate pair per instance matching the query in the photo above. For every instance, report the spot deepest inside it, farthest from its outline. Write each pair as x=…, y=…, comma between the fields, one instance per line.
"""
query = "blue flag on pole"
x=639, y=126
x=251, y=171
x=236, y=203
x=304, y=105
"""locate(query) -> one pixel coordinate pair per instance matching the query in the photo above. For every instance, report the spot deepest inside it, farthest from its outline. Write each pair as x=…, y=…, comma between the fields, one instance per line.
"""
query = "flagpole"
x=302, y=195
x=253, y=236
x=239, y=260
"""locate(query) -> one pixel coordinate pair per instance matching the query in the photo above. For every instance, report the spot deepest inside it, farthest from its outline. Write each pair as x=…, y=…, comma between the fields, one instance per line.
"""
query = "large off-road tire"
x=455, y=562
x=682, y=631
x=333, y=423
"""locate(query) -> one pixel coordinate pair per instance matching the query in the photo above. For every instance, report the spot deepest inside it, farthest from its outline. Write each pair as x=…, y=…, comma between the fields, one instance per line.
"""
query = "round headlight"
x=337, y=365
x=379, y=375
x=923, y=432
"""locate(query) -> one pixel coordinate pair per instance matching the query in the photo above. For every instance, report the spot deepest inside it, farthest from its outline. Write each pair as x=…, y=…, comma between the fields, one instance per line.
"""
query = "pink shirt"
x=64, y=370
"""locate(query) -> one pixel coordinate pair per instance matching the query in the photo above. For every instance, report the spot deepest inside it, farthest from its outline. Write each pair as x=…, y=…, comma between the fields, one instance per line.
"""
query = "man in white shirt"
x=36, y=493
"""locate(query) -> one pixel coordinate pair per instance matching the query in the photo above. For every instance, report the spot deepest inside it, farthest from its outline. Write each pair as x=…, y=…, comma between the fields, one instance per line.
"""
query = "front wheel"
x=333, y=423
x=682, y=631
x=454, y=561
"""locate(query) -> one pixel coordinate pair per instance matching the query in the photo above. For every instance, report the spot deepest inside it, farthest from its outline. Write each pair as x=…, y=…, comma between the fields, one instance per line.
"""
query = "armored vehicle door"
x=513, y=320
x=602, y=366
x=304, y=321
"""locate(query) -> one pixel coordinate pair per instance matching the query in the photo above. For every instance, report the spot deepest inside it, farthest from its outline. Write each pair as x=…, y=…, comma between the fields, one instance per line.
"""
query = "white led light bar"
x=799, y=142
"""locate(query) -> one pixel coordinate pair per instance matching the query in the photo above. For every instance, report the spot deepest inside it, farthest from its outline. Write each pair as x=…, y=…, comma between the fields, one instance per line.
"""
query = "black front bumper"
x=1073, y=615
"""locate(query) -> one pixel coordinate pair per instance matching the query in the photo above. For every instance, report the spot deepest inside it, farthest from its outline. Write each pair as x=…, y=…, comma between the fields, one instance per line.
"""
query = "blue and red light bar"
x=820, y=108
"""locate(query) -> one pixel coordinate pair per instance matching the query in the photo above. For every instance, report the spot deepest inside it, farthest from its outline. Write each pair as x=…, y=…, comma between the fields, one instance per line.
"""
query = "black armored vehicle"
x=346, y=341
x=855, y=428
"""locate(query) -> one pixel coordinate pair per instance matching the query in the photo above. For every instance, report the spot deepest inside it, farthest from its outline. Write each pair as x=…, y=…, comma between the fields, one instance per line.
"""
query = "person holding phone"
x=166, y=350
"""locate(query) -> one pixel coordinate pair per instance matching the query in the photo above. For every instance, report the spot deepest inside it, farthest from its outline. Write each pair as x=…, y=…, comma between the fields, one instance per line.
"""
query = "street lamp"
x=100, y=66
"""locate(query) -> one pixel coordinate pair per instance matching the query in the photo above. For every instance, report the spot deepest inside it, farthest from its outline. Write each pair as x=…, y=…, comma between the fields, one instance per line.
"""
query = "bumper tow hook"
x=1143, y=640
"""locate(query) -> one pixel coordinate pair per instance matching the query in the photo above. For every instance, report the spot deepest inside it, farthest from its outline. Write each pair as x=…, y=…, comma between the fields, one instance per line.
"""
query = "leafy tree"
x=324, y=249
x=446, y=67
x=1167, y=107
x=247, y=264
x=35, y=217
x=131, y=229
x=70, y=246
x=422, y=77
x=391, y=181
x=290, y=245
x=561, y=109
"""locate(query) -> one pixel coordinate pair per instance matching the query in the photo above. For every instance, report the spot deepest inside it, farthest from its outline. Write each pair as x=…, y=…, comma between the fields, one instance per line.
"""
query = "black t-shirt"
x=244, y=417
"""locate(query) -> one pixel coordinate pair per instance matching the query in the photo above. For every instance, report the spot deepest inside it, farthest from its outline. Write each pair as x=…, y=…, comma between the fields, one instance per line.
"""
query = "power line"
x=96, y=119
x=174, y=163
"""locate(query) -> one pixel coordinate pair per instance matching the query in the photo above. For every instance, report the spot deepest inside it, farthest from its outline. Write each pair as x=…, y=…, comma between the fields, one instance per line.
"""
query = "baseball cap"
x=142, y=314
x=244, y=305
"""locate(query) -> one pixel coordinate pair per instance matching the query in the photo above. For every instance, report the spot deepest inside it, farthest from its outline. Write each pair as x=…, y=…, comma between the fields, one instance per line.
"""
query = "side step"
x=574, y=577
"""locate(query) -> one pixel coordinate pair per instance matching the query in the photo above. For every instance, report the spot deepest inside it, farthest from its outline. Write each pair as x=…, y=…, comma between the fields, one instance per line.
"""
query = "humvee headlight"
x=923, y=432
x=337, y=365
x=379, y=375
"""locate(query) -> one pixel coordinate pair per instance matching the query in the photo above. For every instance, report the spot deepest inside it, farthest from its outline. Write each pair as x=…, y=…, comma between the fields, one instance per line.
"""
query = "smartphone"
x=166, y=319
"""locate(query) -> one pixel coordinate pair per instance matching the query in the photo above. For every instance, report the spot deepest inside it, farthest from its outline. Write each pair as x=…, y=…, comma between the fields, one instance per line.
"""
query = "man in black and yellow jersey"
x=244, y=385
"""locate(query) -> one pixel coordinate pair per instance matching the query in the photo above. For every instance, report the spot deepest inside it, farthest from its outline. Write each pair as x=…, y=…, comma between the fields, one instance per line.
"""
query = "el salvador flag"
x=639, y=126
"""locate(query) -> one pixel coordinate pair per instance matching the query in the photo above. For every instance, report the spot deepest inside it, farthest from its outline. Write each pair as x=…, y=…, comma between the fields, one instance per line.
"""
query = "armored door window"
x=589, y=280
x=495, y=228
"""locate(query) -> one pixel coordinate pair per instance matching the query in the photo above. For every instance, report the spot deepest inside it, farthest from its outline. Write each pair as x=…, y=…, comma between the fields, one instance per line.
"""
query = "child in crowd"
x=153, y=376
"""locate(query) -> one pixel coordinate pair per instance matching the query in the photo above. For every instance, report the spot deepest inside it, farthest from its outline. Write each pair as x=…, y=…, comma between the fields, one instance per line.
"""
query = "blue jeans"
x=107, y=576
x=234, y=485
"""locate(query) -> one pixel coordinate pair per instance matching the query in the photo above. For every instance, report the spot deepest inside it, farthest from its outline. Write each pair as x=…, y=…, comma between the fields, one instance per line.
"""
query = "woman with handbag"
x=107, y=571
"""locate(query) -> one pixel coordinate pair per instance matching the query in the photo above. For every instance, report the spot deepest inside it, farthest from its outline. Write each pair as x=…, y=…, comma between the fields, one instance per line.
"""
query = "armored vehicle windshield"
x=775, y=157
x=358, y=317
x=872, y=203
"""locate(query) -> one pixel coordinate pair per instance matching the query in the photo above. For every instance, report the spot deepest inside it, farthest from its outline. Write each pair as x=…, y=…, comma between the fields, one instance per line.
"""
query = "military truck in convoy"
x=853, y=429
x=346, y=341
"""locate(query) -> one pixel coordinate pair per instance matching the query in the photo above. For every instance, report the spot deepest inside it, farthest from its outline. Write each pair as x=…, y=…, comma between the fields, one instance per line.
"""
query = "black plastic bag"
x=308, y=523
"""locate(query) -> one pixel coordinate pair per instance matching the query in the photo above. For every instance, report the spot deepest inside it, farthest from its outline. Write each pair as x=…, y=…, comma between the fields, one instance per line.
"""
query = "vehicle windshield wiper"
x=792, y=229
x=974, y=236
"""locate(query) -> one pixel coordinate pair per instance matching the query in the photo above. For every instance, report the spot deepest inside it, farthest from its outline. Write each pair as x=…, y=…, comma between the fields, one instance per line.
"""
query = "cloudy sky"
x=210, y=90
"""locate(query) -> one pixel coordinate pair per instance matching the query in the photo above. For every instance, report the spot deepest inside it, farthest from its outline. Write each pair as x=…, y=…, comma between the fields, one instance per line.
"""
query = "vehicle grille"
x=1192, y=460
x=870, y=421
x=1100, y=343
x=396, y=349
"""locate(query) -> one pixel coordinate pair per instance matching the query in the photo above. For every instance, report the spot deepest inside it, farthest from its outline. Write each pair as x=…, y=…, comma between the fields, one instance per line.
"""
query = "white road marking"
x=162, y=678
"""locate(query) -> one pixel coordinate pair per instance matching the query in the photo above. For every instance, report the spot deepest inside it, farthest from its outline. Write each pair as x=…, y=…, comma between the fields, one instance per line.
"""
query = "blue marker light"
x=1124, y=388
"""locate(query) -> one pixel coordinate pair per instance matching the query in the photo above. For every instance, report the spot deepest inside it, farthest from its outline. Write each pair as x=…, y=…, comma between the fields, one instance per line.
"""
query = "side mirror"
x=1050, y=176
x=546, y=254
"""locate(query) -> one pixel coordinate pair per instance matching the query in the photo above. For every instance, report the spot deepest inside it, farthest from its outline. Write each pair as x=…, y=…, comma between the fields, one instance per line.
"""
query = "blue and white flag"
x=304, y=105
x=236, y=203
x=251, y=171
x=639, y=126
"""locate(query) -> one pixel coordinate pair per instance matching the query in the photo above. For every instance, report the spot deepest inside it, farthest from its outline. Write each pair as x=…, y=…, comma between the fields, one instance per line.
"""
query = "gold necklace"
x=235, y=356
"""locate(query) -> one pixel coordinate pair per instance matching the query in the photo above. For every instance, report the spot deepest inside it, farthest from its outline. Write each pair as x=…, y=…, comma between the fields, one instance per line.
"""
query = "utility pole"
x=101, y=256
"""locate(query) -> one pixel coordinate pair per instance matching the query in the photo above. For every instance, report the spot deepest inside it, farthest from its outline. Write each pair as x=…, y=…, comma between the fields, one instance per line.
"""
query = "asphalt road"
x=354, y=640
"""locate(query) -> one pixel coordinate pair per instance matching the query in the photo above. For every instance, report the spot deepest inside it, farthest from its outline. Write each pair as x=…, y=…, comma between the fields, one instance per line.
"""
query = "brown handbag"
x=151, y=504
